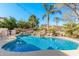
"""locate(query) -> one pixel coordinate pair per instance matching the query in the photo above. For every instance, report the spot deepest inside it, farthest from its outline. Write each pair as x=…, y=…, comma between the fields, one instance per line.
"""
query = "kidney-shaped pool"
x=25, y=43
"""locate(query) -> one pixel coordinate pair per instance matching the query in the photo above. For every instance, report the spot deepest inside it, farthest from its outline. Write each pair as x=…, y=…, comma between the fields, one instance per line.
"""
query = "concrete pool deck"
x=38, y=53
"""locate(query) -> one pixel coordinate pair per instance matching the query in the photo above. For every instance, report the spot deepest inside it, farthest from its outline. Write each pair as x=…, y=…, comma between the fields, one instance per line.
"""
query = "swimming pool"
x=25, y=43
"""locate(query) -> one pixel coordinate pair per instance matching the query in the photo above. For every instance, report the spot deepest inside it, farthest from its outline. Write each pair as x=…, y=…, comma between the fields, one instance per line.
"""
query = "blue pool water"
x=24, y=43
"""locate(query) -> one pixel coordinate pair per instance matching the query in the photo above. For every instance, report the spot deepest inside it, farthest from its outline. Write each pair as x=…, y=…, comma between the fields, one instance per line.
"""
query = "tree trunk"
x=56, y=23
x=47, y=22
x=9, y=32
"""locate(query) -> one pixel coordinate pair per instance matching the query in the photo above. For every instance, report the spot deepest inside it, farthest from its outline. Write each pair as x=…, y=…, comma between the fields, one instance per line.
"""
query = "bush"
x=53, y=31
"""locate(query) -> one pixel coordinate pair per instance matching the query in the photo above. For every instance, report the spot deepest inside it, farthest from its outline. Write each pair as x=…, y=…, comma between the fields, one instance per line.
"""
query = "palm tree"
x=56, y=19
x=50, y=9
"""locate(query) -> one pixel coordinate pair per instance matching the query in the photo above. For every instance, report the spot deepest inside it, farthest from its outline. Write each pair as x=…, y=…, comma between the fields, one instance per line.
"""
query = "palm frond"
x=51, y=7
x=44, y=16
x=45, y=6
x=55, y=11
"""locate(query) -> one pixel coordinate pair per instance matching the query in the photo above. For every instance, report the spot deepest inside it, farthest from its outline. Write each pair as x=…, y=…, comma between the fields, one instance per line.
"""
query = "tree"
x=33, y=21
x=74, y=7
x=69, y=28
x=21, y=24
x=9, y=23
x=50, y=9
x=56, y=19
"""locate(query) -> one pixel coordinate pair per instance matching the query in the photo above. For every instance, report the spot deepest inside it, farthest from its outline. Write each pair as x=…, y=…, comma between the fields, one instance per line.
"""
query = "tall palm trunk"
x=56, y=23
x=47, y=21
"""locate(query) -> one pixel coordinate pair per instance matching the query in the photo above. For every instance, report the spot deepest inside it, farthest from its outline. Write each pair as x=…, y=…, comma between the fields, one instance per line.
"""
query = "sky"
x=24, y=11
